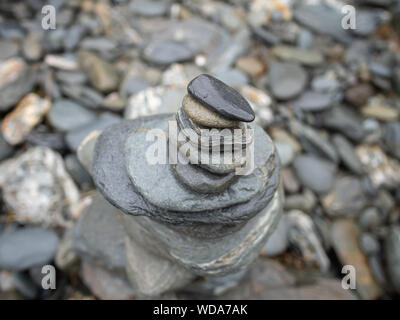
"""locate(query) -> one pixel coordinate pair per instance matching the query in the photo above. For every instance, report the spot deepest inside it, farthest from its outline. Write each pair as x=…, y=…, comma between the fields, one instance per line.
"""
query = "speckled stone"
x=159, y=186
x=221, y=98
x=205, y=116
x=200, y=180
x=111, y=179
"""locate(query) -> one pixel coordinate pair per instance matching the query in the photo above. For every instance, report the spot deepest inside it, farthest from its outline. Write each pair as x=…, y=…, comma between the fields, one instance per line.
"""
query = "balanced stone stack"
x=190, y=223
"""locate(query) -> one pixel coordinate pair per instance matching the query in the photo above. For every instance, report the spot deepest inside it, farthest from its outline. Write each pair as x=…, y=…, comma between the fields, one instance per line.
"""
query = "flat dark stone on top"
x=221, y=98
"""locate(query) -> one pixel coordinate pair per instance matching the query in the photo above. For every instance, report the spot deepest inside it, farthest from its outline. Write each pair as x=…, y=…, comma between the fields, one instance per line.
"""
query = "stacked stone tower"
x=187, y=222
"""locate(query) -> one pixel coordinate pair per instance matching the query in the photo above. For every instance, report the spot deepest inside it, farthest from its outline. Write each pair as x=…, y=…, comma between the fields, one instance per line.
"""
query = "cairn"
x=184, y=223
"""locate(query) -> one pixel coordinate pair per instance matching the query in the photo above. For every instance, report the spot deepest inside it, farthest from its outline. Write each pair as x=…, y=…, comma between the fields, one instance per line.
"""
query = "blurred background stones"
x=328, y=97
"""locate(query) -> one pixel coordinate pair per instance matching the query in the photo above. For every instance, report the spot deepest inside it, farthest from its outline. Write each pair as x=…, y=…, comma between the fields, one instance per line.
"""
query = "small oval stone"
x=221, y=98
x=202, y=115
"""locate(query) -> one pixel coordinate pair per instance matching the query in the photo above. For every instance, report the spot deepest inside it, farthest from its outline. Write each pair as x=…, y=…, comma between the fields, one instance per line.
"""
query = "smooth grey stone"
x=111, y=179
x=306, y=57
x=315, y=173
x=165, y=52
x=344, y=120
x=14, y=88
x=8, y=49
x=98, y=44
x=132, y=85
x=53, y=140
x=391, y=138
x=287, y=80
x=370, y=219
x=380, y=69
x=325, y=84
x=323, y=19
x=71, y=77
x=84, y=95
x=305, y=39
x=392, y=254
x=73, y=36
x=67, y=115
x=149, y=8
x=233, y=77
x=76, y=136
x=27, y=247
x=314, y=101
x=366, y=22
x=202, y=115
x=346, y=198
x=313, y=141
x=99, y=238
x=77, y=171
x=347, y=154
x=369, y=244
x=266, y=36
x=6, y=150
x=278, y=242
x=158, y=185
x=200, y=180
x=54, y=41
x=221, y=98
x=200, y=36
x=208, y=257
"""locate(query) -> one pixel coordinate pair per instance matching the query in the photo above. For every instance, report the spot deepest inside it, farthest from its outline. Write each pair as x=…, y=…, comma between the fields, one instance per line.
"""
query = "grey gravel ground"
x=328, y=97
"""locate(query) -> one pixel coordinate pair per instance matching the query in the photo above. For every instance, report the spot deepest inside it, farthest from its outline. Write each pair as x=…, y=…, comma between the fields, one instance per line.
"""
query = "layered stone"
x=110, y=177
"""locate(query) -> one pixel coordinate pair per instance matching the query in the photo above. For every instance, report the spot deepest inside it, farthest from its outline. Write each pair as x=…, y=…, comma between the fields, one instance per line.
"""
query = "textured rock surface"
x=98, y=229
x=221, y=98
x=109, y=175
x=37, y=187
x=158, y=185
x=27, y=114
x=207, y=257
